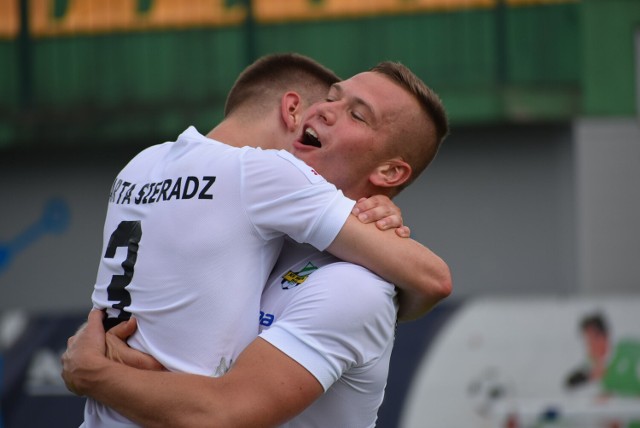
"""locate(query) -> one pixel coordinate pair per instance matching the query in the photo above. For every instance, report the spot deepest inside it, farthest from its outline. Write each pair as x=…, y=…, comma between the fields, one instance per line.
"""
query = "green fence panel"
x=548, y=61
x=609, y=29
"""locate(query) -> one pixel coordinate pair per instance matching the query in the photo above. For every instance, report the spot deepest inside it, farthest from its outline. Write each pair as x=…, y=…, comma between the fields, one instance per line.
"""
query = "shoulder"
x=345, y=292
x=310, y=173
x=341, y=313
x=281, y=161
x=188, y=145
x=349, y=279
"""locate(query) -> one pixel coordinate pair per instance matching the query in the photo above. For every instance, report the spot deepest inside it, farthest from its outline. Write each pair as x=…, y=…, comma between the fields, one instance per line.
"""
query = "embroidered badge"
x=293, y=279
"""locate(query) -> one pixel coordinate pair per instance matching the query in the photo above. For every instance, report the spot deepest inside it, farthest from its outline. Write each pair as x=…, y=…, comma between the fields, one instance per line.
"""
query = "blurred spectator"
x=595, y=335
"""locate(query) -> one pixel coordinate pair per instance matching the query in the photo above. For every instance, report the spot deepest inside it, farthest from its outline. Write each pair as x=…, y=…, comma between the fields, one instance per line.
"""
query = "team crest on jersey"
x=293, y=279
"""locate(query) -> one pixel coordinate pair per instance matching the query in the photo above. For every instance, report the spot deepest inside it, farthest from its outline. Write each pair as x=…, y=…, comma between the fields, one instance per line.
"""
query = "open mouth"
x=310, y=138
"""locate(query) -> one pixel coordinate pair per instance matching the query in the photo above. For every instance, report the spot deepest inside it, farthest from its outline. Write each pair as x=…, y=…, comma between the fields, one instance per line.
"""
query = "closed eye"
x=357, y=116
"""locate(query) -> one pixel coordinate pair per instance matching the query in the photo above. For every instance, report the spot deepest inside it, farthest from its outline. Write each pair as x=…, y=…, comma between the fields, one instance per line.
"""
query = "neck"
x=364, y=190
x=228, y=132
x=238, y=131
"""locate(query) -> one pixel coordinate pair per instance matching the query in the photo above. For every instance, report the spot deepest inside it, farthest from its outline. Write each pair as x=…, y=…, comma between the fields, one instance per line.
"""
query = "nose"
x=327, y=111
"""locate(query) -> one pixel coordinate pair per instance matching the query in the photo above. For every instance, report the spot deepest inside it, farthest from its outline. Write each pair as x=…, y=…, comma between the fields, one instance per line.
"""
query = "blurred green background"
x=87, y=72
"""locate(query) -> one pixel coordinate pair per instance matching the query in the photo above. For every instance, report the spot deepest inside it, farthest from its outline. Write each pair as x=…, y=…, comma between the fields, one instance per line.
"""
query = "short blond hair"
x=418, y=154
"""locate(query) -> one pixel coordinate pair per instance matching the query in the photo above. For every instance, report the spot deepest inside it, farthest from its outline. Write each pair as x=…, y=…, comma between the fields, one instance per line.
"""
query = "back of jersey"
x=182, y=256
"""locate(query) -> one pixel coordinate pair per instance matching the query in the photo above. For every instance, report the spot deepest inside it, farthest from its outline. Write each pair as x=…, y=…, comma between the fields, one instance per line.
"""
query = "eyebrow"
x=359, y=101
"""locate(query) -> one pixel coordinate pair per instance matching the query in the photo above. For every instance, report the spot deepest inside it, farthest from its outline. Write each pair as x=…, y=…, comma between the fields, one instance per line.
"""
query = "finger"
x=94, y=320
x=85, y=345
x=403, y=232
x=377, y=208
x=357, y=208
x=69, y=383
x=365, y=204
x=119, y=351
x=116, y=348
x=383, y=203
x=147, y=362
x=67, y=367
x=124, y=329
x=389, y=222
x=92, y=335
x=378, y=213
x=93, y=325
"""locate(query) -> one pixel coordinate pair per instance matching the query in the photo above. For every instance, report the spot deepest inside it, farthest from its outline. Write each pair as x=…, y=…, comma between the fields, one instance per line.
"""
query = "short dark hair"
x=420, y=155
x=272, y=75
x=596, y=321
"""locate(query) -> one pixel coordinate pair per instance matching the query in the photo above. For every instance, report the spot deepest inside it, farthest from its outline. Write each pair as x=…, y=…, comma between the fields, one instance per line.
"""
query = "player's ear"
x=291, y=110
x=391, y=173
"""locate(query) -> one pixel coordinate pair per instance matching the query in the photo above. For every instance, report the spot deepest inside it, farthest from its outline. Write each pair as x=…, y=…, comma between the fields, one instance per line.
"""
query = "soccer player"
x=330, y=324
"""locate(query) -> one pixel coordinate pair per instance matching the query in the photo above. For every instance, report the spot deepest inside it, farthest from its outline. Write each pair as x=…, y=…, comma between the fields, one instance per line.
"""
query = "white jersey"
x=193, y=229
x=338, y=321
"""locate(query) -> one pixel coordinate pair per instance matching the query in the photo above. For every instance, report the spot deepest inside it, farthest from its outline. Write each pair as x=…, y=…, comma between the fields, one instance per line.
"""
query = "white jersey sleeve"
x=292, y=199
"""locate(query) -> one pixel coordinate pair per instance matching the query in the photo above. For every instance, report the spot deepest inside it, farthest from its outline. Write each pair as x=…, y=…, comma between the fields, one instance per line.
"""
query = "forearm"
x=247, y=396
x=152, y=398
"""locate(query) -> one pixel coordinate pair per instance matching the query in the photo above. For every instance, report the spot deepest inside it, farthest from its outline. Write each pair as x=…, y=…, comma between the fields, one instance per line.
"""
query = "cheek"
x=360, y=144
x=356, y=149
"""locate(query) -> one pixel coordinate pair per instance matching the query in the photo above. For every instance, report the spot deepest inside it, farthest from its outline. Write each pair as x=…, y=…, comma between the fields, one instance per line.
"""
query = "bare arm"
x=247, y=396
x=379, y=209
x=417, y=271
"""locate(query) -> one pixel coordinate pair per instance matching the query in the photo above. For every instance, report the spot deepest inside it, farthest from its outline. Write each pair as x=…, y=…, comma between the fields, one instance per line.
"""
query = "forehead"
x=369, y=86
x=385, y=97
x=593, y=331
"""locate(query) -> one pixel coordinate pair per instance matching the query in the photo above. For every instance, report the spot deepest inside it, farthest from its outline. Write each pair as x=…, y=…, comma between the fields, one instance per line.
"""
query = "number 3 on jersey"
x=128, y=234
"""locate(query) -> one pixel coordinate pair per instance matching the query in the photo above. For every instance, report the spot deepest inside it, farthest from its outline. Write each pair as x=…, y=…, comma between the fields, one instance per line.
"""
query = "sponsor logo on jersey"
x=293, y=279
x=266, y=319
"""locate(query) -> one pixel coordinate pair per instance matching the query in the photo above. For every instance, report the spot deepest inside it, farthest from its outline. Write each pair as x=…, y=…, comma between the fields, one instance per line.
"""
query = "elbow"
x=446, y=283
x=436, y=286
x=439, y=285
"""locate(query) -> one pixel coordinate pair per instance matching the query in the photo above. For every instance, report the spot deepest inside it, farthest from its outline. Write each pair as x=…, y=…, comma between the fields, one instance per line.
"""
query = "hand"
x=83, y=350
x=383, y=212
x=118, y=350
